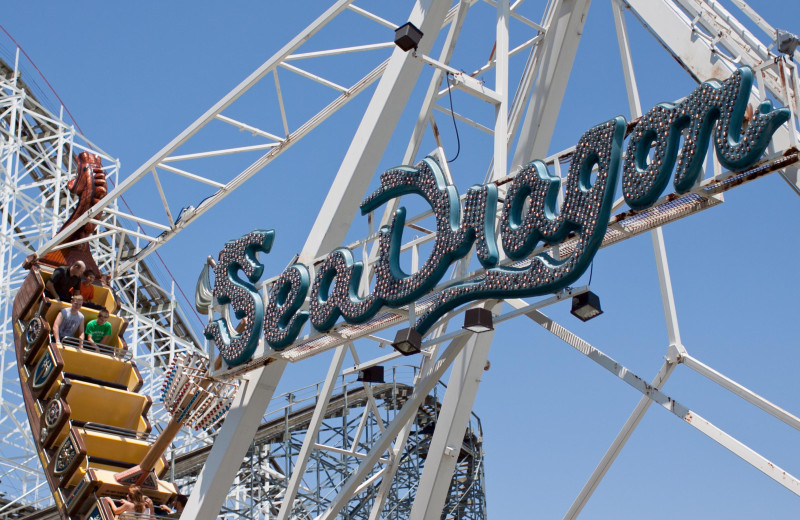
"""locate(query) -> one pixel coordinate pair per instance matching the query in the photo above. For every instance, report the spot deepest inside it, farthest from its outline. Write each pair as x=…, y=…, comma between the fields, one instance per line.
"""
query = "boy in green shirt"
x=99, y=330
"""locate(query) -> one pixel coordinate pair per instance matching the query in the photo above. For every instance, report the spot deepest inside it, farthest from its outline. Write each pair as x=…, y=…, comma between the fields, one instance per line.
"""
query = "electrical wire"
x=109, y=180
x=453, y=115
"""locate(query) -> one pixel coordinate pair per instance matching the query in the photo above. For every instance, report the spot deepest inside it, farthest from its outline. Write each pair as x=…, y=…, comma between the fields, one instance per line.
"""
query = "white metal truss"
x=38, y=153
x=551, y=60
x=706, y=39
x=348, y=418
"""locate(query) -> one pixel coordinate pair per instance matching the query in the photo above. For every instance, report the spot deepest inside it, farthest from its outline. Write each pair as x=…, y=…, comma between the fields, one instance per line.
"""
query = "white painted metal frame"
x=35, y=164
x=684, y=27
x=37, y=151
x=561, y=42
x=275, y=145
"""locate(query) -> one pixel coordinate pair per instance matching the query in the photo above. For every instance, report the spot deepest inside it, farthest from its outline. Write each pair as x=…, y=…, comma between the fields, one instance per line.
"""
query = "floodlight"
x=478, y=320
x=371, y=374
x=787, y=42
x=586, y=306
x=407, y=36
x=407, y=342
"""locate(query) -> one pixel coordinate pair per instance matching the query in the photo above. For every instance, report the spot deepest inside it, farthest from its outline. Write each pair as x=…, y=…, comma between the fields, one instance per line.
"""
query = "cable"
x=42, y=75
x=591, y=272
x=109, y=180
x=453, y=115
x=139, y=226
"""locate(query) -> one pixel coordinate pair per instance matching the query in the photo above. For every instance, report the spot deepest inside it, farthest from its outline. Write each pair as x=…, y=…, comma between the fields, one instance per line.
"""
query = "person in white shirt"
x=69, y=322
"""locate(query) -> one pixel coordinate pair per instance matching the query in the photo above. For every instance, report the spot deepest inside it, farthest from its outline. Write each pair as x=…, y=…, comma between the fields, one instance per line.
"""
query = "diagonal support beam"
x=372, y=137
x=560, y=44
x=309, y=441
x=619, y=442
x=401, y=420
x=329, y=230
x=234, y=438
x=448, y=436
x=673, y=30
x=192, y=129
x=682, y=412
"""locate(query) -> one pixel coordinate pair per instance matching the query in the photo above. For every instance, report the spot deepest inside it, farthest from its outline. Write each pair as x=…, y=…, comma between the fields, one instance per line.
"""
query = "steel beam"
x=698, y=56
x=210, y=115
x=619, y=442
x=426, y=383
x=372, y=136
x=309, y=441
x=232, y=442
x=559, y=46
x=331, y=227
x=652, y=393
x=740, y=390
x=448, y=436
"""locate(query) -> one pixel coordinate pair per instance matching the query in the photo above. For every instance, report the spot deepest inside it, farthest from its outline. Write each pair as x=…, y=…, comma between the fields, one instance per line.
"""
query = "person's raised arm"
x=56, y=326
x=81, y=336
x=51, y=288
x=117, y=510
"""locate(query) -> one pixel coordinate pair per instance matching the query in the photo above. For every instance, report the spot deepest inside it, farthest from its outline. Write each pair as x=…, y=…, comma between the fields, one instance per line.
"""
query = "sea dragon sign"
x=715, y=110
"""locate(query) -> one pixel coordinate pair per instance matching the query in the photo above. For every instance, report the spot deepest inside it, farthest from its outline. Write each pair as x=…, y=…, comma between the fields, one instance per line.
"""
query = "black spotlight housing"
x=478, y=320
x=407, y=36
x=371, y=374
x=407, y=342
x=586, y=306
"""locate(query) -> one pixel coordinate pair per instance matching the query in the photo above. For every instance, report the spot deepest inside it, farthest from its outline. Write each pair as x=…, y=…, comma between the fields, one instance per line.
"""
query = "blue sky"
x=134, y=77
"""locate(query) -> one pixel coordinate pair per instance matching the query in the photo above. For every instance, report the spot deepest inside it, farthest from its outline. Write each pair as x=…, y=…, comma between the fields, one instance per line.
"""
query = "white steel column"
x=373, y=134
x=560, y=44
x=331, y=227
x=465, y=377
x=627, y=60
x=309, y=440
x=448, y=436
x=501, y=88
x=426, y=383
x=230, y=446
x=668, y=301
x=463, y=384
x=665, y=282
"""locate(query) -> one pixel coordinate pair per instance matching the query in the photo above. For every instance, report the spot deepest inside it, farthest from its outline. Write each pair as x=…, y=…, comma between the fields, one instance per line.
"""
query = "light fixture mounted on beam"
x=407, y=342
x=407, y=36
x=478, y=320
x=371, y=375
x=787, y=42
x=586, y=306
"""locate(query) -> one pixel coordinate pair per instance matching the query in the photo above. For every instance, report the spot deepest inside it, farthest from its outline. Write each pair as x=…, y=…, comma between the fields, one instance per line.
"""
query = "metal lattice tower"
x=349, y=423
x=38, y=151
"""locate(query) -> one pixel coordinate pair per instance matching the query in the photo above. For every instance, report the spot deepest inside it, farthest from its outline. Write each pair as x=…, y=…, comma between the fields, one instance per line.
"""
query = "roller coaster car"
x=87, y=419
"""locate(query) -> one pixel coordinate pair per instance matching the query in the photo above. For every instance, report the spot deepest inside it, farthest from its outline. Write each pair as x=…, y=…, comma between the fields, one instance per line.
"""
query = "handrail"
x=101, y=348
x=129, y=515
x=115, y=430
